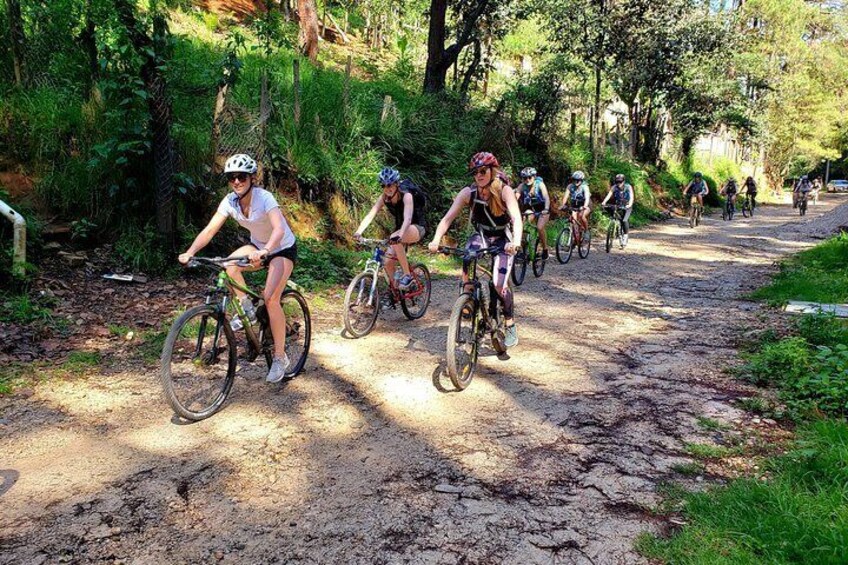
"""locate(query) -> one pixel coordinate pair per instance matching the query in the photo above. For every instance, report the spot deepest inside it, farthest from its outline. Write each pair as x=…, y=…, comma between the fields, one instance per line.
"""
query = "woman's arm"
x=546, y=196
x=369, y=217
x=462, y=199
x=204, y=237
x=630, y=201
x=515, y=214
x=606, y=199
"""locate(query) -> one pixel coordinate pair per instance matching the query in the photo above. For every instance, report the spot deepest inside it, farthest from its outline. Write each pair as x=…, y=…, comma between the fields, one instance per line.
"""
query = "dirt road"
x=552, y=456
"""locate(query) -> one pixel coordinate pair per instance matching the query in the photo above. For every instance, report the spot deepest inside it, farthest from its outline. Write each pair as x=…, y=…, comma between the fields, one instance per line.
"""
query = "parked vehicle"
x=840, y=185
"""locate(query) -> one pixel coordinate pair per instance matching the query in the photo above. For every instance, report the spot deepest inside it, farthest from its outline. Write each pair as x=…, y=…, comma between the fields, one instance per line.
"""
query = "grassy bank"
x=796, y=509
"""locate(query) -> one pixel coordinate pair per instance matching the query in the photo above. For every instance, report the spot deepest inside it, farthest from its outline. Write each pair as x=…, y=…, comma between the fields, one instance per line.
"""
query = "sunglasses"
x=479, y=171
x=241, y=177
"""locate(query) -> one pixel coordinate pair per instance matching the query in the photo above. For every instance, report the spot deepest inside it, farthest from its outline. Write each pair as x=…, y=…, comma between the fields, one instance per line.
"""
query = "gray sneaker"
x=511, y=336
x=250, y=310
x=278, y=369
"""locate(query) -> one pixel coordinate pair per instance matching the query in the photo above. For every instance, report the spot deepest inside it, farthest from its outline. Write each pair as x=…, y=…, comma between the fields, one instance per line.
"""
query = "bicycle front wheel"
x=610, y=236
x=564, y=247
x=463, y=341
x=519, y=264
x=416, y=299
x=538, y=258
x=361, y=305
x=585, y=244
x=198, y=362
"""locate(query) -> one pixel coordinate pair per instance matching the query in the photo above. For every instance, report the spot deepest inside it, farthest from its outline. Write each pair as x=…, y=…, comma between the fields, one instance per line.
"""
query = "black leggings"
x=625, y=219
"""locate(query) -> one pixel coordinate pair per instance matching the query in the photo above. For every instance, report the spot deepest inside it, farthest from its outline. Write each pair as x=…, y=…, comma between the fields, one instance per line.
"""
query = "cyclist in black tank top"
x=398, y=198
x=496, y=219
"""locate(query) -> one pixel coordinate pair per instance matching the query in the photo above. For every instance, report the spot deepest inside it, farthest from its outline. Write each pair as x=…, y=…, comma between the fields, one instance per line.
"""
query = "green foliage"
x=78, y=361
x=707, y=451
x=785, y=361
x=824, y=388
x=822, y=329
x=798, y=516
x=817, y=275
x=139, y=247
x=22, y=309
x=321, y=264
x=688, y=469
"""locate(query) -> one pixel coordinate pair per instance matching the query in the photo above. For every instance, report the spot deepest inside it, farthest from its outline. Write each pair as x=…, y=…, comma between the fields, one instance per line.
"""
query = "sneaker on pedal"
x=278, y=369
x=624, y=241
x=249, y=310
x=405, y=282
x=511, y=336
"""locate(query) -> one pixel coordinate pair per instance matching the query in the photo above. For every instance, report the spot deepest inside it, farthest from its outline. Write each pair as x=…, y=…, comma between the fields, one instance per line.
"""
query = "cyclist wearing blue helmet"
x=533, y=195
x=406, y=202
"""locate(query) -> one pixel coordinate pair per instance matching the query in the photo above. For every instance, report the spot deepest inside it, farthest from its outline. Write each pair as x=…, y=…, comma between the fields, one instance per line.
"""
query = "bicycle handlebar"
x=470, y=253
x=366, y=241
x=219, y=262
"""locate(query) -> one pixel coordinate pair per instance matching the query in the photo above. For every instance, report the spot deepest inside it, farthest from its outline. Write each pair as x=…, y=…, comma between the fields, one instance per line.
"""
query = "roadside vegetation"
x=795, y=510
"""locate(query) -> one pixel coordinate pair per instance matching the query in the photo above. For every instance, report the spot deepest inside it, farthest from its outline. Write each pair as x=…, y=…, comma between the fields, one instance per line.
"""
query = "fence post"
x=387, y=105
x=19, y=241
x=296, y=70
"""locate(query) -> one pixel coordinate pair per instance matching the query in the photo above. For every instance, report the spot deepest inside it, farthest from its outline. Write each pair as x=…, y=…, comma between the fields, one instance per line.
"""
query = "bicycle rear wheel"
x=198, y=362
x=361, y=306
x=538, y=259
x=564, y=246
x=585, y=244
x=463, y=344
x=610, y=236
x=415, y=300
x=746, y=208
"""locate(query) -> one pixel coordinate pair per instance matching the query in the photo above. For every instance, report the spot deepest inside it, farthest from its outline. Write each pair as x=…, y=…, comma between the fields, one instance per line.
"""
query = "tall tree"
x=439, y=58
x=308, y=17
x=16, y=28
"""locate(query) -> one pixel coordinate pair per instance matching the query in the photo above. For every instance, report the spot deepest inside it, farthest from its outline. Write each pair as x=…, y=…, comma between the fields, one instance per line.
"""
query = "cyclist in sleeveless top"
x=577, y=196
x=751, y=190
x=533, y=195
x=496, y=219
x=622, y=195
x=730, y=190
x=697, y=189
x=802, y=188
x=272, y=243
x=399, y=197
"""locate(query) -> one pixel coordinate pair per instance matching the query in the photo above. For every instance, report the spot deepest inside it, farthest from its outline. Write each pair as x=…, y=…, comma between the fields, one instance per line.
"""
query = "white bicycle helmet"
x=240, y=163
x=578, y=175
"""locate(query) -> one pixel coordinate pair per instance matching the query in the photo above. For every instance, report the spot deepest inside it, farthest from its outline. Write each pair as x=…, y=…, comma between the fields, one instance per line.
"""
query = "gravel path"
x=551, y=456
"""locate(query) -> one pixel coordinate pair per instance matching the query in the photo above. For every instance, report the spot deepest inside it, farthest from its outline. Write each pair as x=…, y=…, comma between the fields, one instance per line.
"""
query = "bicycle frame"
x=376, y=264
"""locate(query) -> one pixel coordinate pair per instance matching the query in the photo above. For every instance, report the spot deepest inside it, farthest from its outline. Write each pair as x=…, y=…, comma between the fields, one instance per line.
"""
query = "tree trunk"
x=596, y=115
x=16, y=32
x=469, y=72
x=686, y=146
x=87, y=39
x=440, y=59
x=308, y=29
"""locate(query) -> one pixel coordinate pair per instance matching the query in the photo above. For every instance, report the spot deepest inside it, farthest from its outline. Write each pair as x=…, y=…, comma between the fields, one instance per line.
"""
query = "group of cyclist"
x=495, y=211
x=697, y=189
x=805, y=188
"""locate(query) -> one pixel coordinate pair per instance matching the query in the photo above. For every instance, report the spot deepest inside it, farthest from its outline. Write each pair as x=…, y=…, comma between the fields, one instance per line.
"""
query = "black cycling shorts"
x=289, y=253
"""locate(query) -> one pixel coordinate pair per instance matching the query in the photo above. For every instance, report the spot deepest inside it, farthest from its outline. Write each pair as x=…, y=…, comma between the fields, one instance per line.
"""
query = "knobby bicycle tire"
x=519, y=265
x=358, y=296
x=585, y=244
x=298, y=333
x=421, y=276
x=564, y=247
x=197, y=362
x=538, y=258
x=460, y=332
x=610, y=236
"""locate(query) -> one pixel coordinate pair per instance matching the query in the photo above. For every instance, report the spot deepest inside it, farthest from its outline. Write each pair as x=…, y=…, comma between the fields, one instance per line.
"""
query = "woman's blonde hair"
x=496, y=201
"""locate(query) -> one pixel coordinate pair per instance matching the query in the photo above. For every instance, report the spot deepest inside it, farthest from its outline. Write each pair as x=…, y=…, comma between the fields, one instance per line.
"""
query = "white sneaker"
x=278, y=369
x=250, y=310
x=624, y=241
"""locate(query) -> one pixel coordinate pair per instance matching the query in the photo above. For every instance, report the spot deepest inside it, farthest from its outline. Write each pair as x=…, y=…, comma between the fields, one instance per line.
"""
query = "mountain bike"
x=696, y=210
x=747, y=210
x=530, y=252
x=802, y=203
x=615, y=230
x=200, y=352
x=572, y=235
x=728, y=209
x=368, y=292
x=475, y=313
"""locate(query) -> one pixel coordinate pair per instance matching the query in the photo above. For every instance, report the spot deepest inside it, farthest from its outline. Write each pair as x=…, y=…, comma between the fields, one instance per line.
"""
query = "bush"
x=824, y=388
x=321, y=264
x=822, y=329
x=785, y=361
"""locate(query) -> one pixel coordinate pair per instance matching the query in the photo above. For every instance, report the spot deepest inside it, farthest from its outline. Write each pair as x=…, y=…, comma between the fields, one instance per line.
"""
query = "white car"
x=837, y=186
